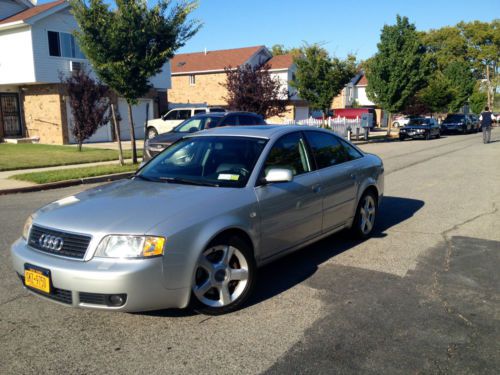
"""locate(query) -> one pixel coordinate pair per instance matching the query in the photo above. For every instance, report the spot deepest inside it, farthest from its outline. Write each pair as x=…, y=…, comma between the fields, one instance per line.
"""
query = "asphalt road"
x=421, y=296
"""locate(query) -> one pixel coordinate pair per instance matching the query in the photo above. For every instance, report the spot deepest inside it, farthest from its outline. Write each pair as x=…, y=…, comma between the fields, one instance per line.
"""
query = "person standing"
x=486, y=122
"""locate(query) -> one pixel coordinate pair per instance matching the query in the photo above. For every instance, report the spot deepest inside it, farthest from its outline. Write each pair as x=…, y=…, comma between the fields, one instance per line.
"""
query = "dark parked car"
x=476, y=124
x=420, y=127
x=196, y=123
x=456, y=123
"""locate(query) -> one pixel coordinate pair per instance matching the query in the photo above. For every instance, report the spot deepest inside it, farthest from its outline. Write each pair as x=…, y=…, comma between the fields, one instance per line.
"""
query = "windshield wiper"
x=180, y=180
x=143, y=177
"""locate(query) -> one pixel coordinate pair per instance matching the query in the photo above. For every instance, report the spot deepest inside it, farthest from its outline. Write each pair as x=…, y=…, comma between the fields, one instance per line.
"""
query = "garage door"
x=139, y=115
x=103, y=133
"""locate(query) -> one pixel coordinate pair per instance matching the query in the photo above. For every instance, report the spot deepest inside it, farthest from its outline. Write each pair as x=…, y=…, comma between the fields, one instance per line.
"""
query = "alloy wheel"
x=221, y=276
x=367, y=213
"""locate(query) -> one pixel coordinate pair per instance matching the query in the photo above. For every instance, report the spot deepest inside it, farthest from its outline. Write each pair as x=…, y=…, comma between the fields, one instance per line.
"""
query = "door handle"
x=353, y=176
x=316, y=188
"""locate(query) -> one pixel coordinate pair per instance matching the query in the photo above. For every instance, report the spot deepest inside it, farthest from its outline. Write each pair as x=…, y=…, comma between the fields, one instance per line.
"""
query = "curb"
x=67, y=183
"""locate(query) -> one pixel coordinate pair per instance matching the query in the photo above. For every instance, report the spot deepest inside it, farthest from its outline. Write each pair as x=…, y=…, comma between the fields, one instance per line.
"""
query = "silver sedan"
x=192, y=226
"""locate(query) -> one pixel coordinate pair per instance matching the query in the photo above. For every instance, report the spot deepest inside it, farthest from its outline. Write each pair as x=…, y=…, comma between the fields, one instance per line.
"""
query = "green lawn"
x=73, y=173
x=24, y=156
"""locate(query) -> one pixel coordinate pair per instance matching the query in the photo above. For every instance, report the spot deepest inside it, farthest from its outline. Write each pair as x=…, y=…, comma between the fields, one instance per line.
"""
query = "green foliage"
x=478, y=100
x=437, y=95
x=130, y=44
x=461, y=81
x=399, y=68
x=320, y=78
x=279, y=49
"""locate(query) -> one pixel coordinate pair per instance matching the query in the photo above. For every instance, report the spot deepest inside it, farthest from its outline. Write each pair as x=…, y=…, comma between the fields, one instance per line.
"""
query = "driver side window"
x=289, y=152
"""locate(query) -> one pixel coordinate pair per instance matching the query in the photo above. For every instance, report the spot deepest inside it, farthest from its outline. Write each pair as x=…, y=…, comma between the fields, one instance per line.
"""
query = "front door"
x=290, y=212
x=10, y=118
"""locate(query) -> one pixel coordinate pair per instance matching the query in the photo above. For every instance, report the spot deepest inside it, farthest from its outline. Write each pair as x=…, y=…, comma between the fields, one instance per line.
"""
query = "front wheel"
x=152, y=132
x=366, y=212
x=224, y=277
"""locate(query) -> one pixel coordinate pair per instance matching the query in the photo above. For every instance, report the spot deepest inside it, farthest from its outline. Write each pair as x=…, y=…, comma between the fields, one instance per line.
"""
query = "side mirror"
x=279, y=175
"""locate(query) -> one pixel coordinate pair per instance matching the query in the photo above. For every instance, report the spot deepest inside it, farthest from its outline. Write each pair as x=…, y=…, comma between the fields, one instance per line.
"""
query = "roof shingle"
x=211, y=60
x=31, y=12
x=281, y=62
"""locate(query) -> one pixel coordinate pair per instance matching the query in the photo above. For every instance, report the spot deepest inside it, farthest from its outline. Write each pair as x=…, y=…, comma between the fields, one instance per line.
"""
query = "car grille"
x=60, y=295
x=74, y=245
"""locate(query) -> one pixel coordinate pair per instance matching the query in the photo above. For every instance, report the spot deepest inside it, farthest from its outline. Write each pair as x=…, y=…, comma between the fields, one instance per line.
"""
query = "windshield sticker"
x=228, y=177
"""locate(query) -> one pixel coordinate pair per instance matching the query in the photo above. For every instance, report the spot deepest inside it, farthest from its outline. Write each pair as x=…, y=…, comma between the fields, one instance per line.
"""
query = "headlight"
x=130, y=247
x=27, y=228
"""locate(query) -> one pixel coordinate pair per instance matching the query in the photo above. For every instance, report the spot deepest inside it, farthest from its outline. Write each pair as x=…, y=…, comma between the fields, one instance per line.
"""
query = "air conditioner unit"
x=75, y=66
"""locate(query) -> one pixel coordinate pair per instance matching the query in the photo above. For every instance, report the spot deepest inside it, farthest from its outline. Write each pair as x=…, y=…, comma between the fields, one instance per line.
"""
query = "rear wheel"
x=366, y=212
x=224, y=277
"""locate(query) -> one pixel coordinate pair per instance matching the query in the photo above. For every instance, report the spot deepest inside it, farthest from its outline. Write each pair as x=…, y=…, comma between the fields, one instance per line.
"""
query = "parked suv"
x=174, y=117
x=456, y=123
x=196, y=123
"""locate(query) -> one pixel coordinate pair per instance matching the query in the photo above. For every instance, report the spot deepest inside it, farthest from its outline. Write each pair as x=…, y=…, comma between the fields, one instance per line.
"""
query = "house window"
x=192, y=79
x=63, y=45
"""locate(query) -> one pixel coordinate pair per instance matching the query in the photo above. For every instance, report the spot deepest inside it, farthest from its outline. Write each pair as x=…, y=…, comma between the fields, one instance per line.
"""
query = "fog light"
x=116, y=300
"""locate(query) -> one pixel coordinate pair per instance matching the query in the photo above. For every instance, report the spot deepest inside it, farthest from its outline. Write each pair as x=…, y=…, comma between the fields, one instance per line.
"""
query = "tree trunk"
x=488, y=87
x=80, y=146
x=132, y=133
x=323, y=117
x=117, y=134
x=389, y=124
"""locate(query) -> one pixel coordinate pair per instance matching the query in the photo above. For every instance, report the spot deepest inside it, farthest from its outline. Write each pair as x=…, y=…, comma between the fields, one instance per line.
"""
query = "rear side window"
x=247, y=120
x=184, y=114
x=353, y=153
x=197, y=111
x=289, y=152
x=327, y=149
x=229, y=120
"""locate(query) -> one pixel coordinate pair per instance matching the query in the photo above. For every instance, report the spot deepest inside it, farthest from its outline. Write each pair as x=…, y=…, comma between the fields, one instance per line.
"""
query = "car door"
x=290, y=212
x=338, y=177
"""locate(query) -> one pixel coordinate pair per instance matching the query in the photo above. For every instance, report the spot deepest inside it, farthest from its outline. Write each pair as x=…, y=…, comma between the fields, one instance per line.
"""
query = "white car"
x=400, y=121
x=174, y=117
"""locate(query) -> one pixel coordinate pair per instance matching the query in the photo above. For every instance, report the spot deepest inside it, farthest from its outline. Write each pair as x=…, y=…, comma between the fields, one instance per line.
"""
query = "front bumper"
x=86, y=284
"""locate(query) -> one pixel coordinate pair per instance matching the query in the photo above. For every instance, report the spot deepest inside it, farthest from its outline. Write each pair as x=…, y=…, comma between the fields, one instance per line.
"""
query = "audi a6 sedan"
x=192, y=226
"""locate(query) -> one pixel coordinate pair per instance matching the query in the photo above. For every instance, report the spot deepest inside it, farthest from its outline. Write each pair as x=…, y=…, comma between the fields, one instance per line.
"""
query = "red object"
x=353, y=113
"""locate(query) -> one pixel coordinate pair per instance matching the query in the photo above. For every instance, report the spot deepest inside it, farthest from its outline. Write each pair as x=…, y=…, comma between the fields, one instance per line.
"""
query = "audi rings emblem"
x=51, y=242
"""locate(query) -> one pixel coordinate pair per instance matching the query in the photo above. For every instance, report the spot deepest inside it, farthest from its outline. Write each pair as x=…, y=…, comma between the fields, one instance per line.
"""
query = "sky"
x=342, y=27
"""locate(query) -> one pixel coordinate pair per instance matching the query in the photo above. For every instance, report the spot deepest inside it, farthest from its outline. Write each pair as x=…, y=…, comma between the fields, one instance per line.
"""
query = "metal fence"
x=339, y=125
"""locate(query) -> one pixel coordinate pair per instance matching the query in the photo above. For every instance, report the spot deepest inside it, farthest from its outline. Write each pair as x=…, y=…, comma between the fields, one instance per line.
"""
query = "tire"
x=438, y=135
x=363, y=225
x=401, y=138
x=152, y=132
x=427, y=136
x=221, y=284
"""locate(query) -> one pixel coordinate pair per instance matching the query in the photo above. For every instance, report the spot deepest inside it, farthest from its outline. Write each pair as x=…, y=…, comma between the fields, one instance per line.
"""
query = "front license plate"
x=37, y=278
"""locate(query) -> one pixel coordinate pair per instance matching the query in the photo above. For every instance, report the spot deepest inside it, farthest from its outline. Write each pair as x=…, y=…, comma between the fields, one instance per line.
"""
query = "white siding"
x=360, y=96
x=47, y=67
x=16, y=57
x=10, y=7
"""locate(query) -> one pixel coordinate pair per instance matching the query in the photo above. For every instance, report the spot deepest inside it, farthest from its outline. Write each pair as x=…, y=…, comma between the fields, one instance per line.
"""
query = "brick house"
x=37, y=45
x=197, y=78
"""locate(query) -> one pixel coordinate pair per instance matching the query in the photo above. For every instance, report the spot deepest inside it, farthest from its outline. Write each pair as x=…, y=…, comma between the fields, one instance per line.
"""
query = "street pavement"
x=421, y=296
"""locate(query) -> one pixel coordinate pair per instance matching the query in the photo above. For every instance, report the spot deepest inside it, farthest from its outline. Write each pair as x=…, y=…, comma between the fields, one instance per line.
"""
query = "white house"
x=36, y=47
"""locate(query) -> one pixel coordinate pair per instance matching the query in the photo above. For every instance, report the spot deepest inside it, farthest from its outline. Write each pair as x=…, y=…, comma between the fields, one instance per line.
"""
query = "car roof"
x=223, y=114
x=256, y=131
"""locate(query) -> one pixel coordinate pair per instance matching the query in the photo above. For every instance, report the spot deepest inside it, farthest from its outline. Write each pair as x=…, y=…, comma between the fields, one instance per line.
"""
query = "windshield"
x=454, y=118
x=419, y=121
x=210, y=161
x=195, y=124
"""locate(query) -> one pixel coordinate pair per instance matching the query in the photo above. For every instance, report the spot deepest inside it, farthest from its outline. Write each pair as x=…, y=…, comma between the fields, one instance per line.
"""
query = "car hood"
x=127, y=207
x=167, y=138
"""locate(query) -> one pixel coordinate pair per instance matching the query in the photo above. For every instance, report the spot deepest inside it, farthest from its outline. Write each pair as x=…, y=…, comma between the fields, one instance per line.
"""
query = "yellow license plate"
x=37, y=280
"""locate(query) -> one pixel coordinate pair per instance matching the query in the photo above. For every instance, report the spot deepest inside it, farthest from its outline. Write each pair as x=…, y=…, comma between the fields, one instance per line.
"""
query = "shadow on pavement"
x=290, y=270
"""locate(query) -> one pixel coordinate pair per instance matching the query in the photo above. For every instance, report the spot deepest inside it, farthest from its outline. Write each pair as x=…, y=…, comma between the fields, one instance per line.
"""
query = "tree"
x=399, y=68
x=478, y=100
x=253, y=89
x=436, y=96
x=89, y=103
x=129, y=44
x=319, y=78
x=461, y=83
x=279, y=49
